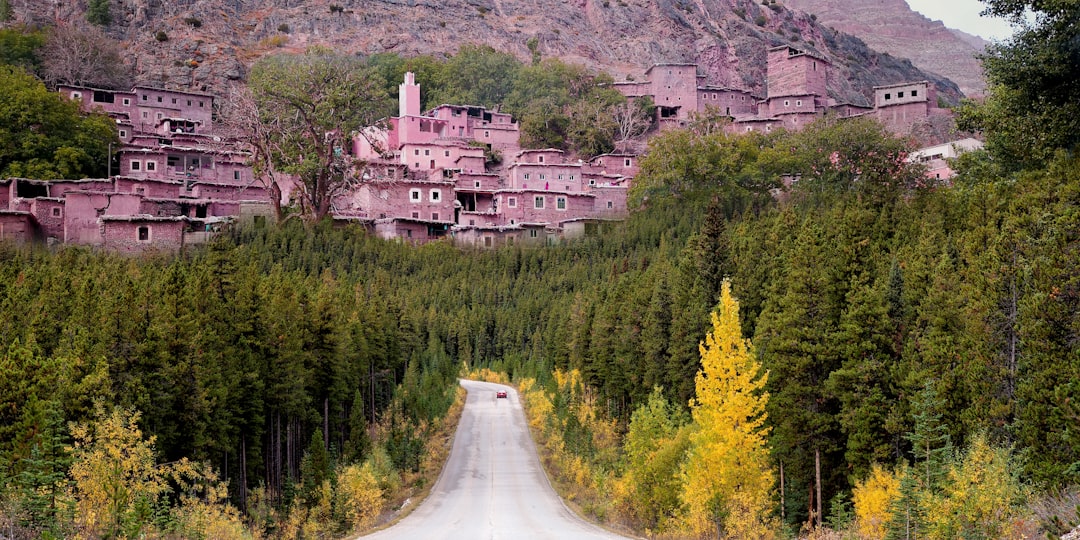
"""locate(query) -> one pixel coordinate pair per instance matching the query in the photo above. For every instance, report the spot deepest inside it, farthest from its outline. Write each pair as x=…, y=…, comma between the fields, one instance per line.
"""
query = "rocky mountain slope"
x=209, y=42
x=891, y=26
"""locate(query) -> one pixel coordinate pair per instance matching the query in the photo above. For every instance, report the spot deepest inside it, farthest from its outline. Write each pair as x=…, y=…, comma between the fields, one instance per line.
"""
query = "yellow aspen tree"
x=359, y=496
x=726, y=477
x=874, y=498
x=116, y=480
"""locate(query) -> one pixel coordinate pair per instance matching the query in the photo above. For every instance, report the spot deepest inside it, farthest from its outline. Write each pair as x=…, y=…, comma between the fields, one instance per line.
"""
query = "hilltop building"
x=796, y=95
x=175, y=183
x=427, y=176
x=433, y=175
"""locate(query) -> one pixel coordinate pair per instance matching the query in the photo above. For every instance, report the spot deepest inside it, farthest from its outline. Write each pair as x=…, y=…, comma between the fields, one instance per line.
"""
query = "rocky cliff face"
x=892, y=27
x=212, y=41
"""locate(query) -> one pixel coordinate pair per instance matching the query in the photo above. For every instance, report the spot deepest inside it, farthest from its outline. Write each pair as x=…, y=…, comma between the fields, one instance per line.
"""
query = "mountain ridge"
x=209, y=42
x=891, y=26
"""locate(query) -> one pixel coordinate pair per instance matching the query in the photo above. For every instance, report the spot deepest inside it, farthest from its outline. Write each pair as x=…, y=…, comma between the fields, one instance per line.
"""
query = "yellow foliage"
x=873, y=499
x=113, y=471
x=726, y=475
x=274, y=41
x=204, y=511
x=981, y=497
x=537, y=403
x=359, y=495
x=487, y=375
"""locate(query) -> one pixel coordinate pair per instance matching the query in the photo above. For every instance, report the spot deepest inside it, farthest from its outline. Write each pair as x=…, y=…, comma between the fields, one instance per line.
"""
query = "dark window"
x=56, y=212
x=151, y=165
x=135, y=165
x=914, y=93
x=899, y=94
x=144, y=234
x=888, y=96
x=159, y=99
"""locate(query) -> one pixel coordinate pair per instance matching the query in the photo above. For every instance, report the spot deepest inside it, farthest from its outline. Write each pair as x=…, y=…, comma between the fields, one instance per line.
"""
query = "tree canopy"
x=1033, y=106
x=312, y=105
x=44, y=136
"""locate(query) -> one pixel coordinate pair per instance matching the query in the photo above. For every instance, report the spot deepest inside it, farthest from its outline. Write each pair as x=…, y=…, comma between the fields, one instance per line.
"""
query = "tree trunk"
x=243, y=473
x=817, y=482
x=782, y=508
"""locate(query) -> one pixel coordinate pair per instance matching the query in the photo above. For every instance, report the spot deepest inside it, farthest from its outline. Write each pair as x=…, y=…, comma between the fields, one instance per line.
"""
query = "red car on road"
x=500, y=394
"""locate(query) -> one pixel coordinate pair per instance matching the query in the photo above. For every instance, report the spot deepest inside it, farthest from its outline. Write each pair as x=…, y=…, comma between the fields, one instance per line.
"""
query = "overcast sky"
x=963, y=15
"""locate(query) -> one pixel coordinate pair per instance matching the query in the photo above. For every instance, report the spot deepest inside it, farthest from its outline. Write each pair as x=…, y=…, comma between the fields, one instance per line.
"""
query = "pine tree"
x=358, y=444
x=726, y=478
x=793, y=338
x=862, y=383
x=316, y=467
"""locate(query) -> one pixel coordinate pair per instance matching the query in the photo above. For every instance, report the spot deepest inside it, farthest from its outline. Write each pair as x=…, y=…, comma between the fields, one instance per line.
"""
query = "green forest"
x=917, y=344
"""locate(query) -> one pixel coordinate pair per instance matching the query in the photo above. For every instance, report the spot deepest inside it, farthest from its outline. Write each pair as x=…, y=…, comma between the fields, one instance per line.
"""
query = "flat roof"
x=897, y=85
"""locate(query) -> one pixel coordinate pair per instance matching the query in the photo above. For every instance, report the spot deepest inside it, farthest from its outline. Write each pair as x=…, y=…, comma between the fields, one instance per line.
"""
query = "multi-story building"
x=429, y=176
x=797, y=94
x=174, y=184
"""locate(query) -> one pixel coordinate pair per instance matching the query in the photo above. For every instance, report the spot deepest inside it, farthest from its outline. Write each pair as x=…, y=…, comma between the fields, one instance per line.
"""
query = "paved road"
x=492, y=486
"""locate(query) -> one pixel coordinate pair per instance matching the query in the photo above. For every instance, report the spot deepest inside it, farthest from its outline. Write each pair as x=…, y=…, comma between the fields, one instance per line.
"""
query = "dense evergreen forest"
x=918, y=345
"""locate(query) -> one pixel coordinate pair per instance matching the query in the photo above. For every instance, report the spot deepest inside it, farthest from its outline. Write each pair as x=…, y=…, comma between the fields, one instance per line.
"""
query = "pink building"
x=439, y=139
x=148, y=109
x=176, y=183
x=426, y=177
x=901, y=106
x=795, y=72
x=679, y=92
x=938, y=159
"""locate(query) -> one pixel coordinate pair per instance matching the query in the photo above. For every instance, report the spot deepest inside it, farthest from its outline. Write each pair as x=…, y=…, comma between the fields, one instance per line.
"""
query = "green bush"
x=161, y=36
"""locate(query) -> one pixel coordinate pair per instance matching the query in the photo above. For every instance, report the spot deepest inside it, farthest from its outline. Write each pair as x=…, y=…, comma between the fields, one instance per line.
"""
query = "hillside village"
x=427, y=176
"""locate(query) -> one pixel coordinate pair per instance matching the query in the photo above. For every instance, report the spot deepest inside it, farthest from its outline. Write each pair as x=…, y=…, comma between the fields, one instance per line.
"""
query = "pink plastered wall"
x=791, y=72
x=124, y=236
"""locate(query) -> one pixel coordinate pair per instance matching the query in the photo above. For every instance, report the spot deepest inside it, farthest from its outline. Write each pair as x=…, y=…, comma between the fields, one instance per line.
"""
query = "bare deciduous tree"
x=84, y=56
x=240, y=121
x=632, y=119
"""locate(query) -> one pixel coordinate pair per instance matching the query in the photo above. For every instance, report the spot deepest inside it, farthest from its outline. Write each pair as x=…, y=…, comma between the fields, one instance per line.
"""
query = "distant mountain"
x=206, y=42
x=891, y=26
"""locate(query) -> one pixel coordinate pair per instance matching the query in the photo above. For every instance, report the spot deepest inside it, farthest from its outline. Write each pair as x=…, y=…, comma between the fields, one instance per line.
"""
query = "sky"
x=963, y=15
